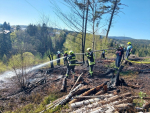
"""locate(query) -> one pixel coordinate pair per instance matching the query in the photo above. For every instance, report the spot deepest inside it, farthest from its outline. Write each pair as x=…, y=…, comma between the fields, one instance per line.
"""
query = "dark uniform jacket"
x=91, y=58
x=58, y=55
x=119, y=52
x=65, y=55
x=72, y=60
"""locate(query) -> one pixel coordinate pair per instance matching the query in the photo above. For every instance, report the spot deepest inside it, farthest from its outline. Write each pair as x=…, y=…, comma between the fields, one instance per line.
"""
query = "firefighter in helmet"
x=91, y=61
x=71, y=63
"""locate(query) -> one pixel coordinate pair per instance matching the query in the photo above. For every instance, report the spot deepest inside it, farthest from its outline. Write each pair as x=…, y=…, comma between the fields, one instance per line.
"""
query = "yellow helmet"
x=70, y=52
x=88, y=49
x=66, y=51
x=129, y=43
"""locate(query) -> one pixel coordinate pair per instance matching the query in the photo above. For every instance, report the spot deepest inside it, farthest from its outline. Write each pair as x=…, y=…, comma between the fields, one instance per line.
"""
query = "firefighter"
x=58, y=57
x=119, y=54
x=65, y=58
x=71, y=63
x=103, y=54
x=129, y=49
x=91, y=61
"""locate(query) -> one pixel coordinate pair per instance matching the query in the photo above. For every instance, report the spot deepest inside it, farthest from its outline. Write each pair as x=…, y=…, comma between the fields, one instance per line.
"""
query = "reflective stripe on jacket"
x=91, y=58
x=72, y=60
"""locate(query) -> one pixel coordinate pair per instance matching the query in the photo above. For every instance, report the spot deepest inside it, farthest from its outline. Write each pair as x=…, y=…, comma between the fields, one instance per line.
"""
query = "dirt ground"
x=12, y=94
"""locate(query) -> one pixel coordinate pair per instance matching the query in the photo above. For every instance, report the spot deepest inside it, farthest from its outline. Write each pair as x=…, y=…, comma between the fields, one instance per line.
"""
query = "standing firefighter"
x=129, y=49
x=72, y=62
x=119, y=53
x=103, y=54
x=65, y=58
x=58, y=57
x=91, y=61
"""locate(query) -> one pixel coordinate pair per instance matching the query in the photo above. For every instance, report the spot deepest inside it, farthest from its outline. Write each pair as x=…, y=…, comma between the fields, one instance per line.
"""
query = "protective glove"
x=130, y=52
x=86, y=54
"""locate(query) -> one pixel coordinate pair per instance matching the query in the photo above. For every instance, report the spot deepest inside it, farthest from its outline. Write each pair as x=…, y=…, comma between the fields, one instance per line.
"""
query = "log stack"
x=106, y=102
x=93, y=101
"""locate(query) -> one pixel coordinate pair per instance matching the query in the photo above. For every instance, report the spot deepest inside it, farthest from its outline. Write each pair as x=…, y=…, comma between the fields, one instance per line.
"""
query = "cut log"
x=100, y=96
x=63, y=85
x=100, y=92
x=82, y=103
x=89, y=92
x=123, y=107
x=144, y=98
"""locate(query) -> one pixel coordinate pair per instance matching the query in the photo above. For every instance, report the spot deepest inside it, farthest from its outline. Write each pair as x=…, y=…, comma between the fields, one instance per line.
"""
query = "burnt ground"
x=11, y=97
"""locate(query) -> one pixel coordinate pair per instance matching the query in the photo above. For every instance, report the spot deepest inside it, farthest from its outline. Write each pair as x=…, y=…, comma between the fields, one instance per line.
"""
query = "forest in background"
x=40, y=43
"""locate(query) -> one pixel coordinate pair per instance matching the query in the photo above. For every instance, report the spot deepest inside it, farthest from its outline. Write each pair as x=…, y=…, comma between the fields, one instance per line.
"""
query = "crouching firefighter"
x=65, y=58
x=71, y=63
x=91, y=61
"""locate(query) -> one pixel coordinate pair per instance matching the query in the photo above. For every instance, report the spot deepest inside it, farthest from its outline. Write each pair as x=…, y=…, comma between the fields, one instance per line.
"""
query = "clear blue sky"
x=135, y=23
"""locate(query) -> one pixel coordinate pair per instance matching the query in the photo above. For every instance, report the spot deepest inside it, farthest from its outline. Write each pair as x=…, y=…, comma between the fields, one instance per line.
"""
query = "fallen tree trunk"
x=89, y=92
x=76, y=81
x=63, y=85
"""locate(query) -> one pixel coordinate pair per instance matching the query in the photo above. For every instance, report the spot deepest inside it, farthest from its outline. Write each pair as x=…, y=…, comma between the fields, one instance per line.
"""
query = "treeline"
x=39, y=40
x=43, y=42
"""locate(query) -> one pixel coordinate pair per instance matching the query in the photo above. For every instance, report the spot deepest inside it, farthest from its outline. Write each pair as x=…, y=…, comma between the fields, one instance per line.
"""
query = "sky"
x=134, y=22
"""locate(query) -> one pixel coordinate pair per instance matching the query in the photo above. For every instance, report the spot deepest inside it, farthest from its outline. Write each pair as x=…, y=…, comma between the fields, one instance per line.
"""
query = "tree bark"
x=112, y=14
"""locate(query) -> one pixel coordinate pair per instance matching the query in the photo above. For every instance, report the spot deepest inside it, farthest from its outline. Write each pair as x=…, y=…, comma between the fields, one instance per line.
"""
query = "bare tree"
x=115, y=11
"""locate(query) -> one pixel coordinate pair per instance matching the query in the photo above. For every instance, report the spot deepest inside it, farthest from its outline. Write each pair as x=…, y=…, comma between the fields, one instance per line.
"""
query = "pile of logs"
x=106, y=102
x=99, y=99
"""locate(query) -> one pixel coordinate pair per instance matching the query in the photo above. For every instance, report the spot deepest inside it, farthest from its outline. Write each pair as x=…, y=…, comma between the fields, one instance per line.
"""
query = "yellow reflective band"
x=138, y=62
